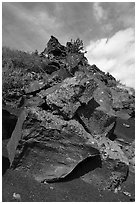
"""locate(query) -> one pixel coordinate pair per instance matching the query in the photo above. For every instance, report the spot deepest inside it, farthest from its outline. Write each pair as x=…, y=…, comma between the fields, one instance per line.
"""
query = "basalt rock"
x=56, y=145
x=51, y=67
x=97, y=114
x=121, y=99
x=129, y=151
x=34, y=87
x=54, y=48
x=67, y=118
x=73, y=60
x=54, y=124
x=95, y=120
x=123, y=103
x=47, y=147
x=118, y=174
x=67, y=96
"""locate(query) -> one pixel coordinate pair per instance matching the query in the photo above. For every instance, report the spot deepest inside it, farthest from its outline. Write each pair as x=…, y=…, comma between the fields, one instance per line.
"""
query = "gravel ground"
x=17, y=186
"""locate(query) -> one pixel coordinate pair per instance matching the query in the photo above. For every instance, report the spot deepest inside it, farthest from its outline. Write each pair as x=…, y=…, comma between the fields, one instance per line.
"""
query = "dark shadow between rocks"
x=88, y=108
x=8, y=124
x=77, y=118
x=5, y=164
x=112, y=137
x=92, y=103
x=87, y=165
x=45, y=106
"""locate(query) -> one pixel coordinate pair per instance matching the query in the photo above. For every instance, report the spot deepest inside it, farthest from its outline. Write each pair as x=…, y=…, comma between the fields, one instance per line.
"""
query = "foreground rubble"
x=67, y=118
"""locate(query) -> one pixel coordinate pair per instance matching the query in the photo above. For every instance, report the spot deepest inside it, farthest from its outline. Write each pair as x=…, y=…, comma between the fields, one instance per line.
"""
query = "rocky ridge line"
x=69, y=117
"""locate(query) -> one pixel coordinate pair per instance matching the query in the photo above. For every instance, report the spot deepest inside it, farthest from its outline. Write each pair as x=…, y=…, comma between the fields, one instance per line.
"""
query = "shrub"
x=22, y=60
x=16, y=66
x=75, y=46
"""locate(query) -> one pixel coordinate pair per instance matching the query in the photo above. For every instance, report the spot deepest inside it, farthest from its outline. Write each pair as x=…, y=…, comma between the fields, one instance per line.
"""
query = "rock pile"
x=67, y=118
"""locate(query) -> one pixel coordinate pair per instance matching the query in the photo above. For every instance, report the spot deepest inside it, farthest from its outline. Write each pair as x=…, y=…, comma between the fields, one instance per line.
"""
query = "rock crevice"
x=67, y=119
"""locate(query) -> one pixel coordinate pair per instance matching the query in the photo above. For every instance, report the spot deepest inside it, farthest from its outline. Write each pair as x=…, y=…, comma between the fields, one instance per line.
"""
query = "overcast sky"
x=107, y=30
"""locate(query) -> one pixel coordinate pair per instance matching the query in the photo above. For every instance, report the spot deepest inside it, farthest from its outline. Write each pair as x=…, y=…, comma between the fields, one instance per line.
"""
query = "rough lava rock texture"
x=61, y=144
x=67, y=118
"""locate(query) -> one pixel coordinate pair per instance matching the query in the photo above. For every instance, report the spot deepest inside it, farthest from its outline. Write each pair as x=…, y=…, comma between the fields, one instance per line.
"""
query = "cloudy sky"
x=106, y=28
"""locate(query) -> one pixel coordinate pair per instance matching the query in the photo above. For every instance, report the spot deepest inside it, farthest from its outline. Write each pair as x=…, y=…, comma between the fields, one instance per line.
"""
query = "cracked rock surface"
x=67, y=118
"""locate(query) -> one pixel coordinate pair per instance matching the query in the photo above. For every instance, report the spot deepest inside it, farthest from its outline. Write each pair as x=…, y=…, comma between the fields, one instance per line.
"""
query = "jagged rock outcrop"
x=67, y=118
x=54, y=48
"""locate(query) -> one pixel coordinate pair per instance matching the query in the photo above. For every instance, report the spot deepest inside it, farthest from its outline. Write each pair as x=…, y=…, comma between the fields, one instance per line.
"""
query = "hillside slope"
x=64, y=114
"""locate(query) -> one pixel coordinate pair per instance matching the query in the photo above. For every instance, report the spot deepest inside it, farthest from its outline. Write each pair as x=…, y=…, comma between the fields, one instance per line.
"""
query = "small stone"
x=17, y=196
x=116, y=190
x=51, y=187
x=126, y=125
x=45, y=182
x=127, y=193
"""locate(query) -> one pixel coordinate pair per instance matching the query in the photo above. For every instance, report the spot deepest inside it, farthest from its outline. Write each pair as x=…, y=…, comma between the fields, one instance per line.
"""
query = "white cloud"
x=115, y=55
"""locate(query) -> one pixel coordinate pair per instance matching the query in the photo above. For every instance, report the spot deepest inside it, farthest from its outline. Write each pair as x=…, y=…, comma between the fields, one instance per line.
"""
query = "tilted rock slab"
x=67, y=96
x=60, y=145
x=75, y=125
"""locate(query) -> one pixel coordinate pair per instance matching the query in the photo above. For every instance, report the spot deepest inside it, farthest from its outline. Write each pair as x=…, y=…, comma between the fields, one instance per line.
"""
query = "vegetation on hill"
x=67, y=109
x=17, y=67
x=20, y=68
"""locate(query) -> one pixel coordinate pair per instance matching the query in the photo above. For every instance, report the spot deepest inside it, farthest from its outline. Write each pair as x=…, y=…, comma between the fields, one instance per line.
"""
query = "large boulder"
x=48, y=148
x=68, y=122
x=98, y=114
x=96, y=121
x=65, y=97
x=56, y=145
x=123, y=103
x=54, y=48
x=68, y=117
